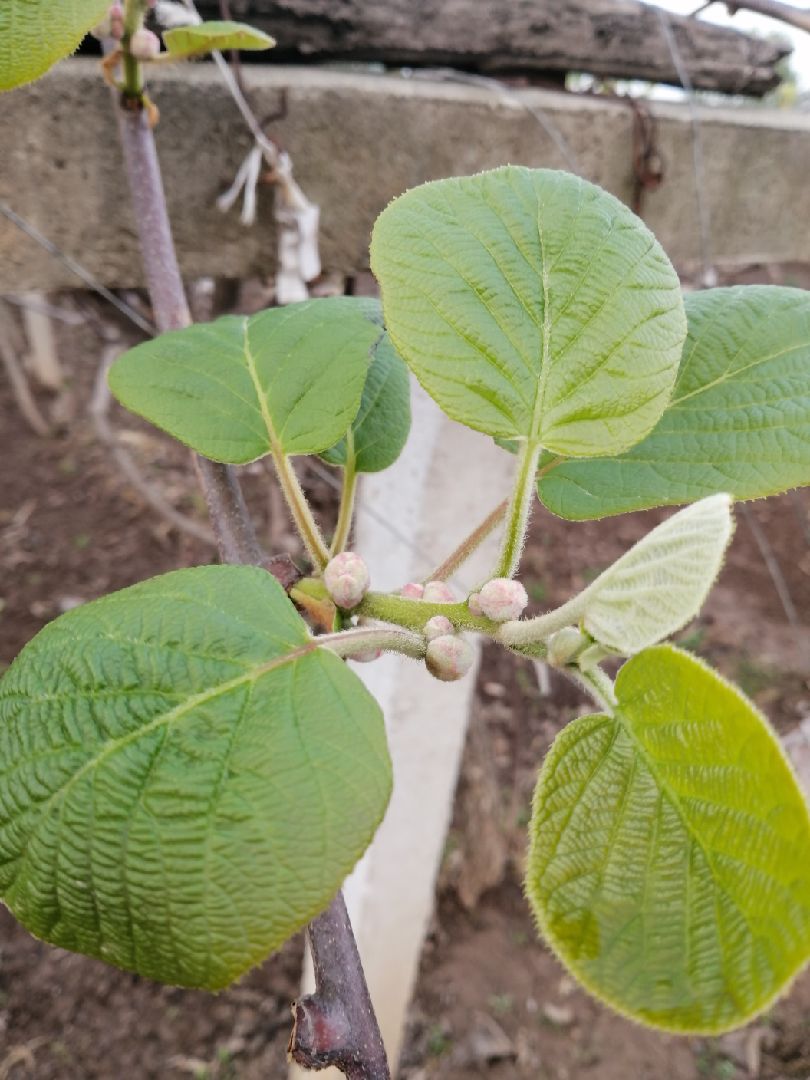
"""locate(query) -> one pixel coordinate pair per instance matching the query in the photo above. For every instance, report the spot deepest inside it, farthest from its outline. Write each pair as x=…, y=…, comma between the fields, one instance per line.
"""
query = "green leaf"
x=290, y=378
x=659, y=584
x=669, y=865
x=531, y=304
x=187, y=777
x=739, y=419
x=185, y=42
x=380, y=429
x=35, y=34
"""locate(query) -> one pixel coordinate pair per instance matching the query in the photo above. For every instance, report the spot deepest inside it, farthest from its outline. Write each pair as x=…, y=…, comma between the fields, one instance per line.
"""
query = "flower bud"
x=502, y=599
x=144, y=45
x=438, y=592
x=564, y=646
x=474, y=603
x=346, y=579
x=437, y=626
x=413, y=590
x=449, y=657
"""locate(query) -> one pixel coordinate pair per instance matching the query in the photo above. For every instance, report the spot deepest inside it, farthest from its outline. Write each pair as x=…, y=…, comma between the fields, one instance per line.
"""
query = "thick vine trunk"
x=614, y=38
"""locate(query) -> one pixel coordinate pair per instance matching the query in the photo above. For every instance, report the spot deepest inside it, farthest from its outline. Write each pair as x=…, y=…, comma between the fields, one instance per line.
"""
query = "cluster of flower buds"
x=501, y=600
x=347, y=579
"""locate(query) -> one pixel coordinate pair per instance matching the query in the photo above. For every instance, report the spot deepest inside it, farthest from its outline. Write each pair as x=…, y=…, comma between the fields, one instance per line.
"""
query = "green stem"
x=517, y=517
x=134, y=13
x=299, y=508
x=402, y=611
x=466, y=548
x=346, y=511
x=352, y=642
x=598, y=684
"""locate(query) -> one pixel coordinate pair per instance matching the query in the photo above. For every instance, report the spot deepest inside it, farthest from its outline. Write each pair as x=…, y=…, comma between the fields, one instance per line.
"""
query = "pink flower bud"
x=413, y=590
x=502, y=599
x=474, y=603
x=449, y=657
x=437, y=592
x=346, y=579
x=437, y=626
x=144, y=45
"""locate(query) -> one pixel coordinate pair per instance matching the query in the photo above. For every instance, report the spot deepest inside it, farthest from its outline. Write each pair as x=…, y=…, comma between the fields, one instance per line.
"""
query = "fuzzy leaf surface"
x=739, y=420
x=661, y=582
x=669, y=865
x=532, y=304
x=189, y=41
x=290, y=377
x=35, y=34
x=380, y=429
x=187, y=777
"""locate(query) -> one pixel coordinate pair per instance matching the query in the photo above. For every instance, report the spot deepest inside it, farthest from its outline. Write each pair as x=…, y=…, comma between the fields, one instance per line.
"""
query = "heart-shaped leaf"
x=289, y=378
x=35, y=34
x=187, y=777
x=380, y=429
x=531, y=304
x=187, y=42
x=652, y=590
x=739, y=420
x=670, y=851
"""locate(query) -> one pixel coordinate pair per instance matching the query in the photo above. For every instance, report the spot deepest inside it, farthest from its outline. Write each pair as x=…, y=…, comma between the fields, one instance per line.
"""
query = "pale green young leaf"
x=290, y=378
x=380, y=429
x=532, y=304
x=669, y=865
x=652, y=590
x=187, y=777
x=739, y=420
x=35, y=34
x=186, y=42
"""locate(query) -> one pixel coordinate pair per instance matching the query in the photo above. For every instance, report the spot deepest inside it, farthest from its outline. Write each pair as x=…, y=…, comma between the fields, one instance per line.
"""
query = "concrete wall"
x=358, y=140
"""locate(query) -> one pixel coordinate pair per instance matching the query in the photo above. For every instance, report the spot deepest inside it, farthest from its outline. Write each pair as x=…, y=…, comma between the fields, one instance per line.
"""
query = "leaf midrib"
x=112, y=746
x=272, y=435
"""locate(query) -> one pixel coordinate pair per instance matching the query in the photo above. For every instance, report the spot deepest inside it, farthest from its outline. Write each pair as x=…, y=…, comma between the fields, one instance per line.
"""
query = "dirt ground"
x=491, y=1000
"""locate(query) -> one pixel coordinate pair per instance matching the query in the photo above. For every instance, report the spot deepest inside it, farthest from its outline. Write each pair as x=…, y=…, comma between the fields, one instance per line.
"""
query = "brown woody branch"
x=354, y=1044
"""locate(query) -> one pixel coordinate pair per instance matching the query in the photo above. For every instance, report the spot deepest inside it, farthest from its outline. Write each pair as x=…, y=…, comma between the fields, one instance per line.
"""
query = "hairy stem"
x=340, y=980
x=346, y=512
x=470, y=544
x=299, y=508
x=336, y=1025
x=517, y=517
x=351, y=642
x=598, y=684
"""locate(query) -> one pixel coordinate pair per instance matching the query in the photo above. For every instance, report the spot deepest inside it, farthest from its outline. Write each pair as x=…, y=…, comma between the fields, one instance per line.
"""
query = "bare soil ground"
x=491, y=1000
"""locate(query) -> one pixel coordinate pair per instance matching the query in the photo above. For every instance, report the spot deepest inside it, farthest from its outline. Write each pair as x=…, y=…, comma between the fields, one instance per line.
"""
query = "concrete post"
x=446, y=482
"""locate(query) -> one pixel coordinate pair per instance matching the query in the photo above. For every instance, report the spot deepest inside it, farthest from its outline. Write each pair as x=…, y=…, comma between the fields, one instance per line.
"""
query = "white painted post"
x=446, y=482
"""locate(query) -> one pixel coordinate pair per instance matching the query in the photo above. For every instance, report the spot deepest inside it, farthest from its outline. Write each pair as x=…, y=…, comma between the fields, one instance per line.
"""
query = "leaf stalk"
x=517, y=516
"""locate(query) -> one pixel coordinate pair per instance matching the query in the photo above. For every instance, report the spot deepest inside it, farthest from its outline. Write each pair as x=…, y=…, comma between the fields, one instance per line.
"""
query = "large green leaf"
x=185, y=42
x=532, y=304
x=670, y=850
x=186, y=776
x=35, y=34
x=739, y=419
x=380, y=429
x=290, y=378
